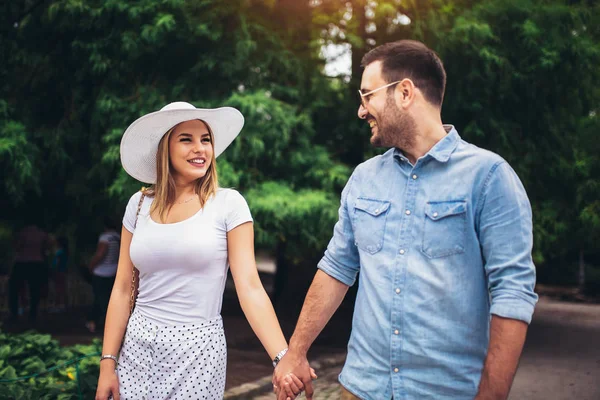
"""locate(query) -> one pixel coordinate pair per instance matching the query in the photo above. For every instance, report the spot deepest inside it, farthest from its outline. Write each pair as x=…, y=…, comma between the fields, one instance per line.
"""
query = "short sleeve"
x=131, y=212
x=237, y=210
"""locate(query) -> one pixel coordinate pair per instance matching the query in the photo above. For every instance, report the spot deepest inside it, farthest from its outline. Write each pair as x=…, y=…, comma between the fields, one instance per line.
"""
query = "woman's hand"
x=108, y=382
x=292, y=386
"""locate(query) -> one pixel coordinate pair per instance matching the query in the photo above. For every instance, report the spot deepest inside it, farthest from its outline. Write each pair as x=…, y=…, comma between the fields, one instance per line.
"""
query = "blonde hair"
x=163, y=190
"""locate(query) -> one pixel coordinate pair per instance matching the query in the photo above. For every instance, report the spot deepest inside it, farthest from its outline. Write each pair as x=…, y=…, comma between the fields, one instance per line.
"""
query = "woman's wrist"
x=108, y=361
x=108, y=367
x=279, y=356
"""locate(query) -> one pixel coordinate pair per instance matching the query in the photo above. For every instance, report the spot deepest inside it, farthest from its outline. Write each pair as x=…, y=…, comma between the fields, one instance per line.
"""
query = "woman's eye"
x=206, y=140
x=186, y=140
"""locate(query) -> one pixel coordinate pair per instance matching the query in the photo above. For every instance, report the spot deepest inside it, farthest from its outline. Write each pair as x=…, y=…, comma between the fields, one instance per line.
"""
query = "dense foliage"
x=30, y=354
x=522, y=81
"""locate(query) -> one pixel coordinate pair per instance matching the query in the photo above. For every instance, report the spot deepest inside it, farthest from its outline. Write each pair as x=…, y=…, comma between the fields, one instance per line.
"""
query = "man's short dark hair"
x=411, y=59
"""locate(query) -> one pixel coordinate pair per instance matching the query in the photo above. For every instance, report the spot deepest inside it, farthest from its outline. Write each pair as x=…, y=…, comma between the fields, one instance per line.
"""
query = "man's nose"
x=362, y=112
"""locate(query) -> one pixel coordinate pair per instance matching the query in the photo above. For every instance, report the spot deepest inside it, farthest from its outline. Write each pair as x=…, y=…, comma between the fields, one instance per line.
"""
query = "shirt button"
x=395, y=369
x=407, y=212
x=396, y=332
x=401, y=251
x=435, y=215
x=398, y=290
x=377, y=211
x=414, y=176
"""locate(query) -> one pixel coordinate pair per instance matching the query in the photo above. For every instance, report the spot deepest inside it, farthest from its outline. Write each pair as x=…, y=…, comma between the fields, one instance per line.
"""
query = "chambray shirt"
x=440, y=246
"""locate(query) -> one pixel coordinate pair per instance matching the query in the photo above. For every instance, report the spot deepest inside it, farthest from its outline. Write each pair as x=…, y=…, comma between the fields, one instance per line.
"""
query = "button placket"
x=407, y=220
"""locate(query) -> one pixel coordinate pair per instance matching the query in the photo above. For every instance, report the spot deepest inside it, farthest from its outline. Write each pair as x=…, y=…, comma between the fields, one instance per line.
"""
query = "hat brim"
x=140, y=141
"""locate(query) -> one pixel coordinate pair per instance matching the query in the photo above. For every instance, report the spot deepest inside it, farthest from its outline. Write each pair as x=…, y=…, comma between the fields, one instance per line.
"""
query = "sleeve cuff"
x=513, y=308
x=237, y=223
x=128, y=226
x=346, y=277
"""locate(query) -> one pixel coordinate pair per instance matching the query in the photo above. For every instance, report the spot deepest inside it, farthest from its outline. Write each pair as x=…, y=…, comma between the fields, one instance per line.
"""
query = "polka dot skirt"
x=172, y=362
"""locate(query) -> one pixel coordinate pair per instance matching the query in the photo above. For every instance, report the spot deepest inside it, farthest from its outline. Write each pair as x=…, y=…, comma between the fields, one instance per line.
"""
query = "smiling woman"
x=185, y=154
x=182, y=235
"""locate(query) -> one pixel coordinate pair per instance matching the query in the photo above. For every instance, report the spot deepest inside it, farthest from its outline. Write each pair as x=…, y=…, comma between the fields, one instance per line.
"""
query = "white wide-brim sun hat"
x=140, y=141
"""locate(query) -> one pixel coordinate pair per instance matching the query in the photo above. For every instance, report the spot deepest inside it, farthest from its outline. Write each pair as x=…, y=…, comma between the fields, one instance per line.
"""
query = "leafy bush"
x=29, y=354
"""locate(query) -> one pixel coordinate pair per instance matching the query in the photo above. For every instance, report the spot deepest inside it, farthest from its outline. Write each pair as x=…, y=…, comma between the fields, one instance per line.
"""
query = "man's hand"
x=292, y=386
x=324, y=297
x=293, y=372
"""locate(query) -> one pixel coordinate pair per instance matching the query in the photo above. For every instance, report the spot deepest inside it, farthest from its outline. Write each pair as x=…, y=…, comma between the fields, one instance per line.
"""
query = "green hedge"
x=31, y=354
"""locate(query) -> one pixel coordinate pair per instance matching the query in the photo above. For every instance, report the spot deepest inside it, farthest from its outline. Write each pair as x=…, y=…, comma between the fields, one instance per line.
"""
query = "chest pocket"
x=369, y=223
x=444, y=233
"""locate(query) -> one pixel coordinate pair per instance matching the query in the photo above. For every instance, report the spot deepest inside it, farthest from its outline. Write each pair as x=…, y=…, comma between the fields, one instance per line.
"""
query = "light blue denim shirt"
x=440, y=246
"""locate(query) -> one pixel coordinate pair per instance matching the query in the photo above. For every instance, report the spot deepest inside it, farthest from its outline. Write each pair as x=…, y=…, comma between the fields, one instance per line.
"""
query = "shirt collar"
x=442, y=149
x=445, y=147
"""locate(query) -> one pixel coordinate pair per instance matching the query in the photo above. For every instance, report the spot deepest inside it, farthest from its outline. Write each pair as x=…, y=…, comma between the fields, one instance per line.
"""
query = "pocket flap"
x=442, y=209
x=373, y=207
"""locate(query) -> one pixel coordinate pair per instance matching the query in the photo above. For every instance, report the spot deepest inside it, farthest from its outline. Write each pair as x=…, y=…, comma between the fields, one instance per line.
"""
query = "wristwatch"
x=279, y=356
x=109, y=356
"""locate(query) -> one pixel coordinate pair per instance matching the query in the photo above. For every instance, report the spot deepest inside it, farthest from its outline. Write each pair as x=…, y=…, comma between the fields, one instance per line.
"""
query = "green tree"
x=522, y=80
x=94, y=66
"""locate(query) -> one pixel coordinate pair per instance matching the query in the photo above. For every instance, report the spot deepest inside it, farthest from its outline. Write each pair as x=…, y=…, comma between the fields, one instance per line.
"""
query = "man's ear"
x=405, y=93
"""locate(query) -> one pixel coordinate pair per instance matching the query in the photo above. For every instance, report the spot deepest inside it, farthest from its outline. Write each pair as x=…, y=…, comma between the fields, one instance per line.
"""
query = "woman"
x=181, y=235
x=103, y=269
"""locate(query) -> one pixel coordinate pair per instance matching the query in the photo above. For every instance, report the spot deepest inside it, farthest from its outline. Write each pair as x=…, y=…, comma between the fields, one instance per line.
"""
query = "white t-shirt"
x=183, y=266
x=108, y=266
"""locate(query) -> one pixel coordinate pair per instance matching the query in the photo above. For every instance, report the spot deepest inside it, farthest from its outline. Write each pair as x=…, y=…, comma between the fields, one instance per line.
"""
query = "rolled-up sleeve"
x=341, y=260
x=506, y=238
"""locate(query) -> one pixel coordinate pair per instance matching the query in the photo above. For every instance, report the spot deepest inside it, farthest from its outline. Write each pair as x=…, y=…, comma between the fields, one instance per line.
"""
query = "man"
x=441, y=233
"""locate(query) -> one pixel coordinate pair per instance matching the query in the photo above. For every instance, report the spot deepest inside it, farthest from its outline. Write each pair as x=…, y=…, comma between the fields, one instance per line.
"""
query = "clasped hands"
x=292, y=376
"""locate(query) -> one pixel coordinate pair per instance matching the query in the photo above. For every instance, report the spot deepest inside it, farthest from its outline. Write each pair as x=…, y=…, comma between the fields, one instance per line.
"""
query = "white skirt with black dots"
x=172, y=362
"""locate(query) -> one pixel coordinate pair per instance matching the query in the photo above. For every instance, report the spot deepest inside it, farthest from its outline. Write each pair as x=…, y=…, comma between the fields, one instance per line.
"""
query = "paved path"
x=561, y=359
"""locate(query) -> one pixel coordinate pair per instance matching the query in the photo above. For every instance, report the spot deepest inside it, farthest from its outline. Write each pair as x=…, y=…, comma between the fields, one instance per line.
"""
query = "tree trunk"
x=581, y=277
x=358, y=13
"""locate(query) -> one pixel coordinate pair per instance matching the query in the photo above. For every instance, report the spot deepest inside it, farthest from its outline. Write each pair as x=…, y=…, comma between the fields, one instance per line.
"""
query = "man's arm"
x=337, y=272
x=507, y=337
x=506, y=239
x=324, y=297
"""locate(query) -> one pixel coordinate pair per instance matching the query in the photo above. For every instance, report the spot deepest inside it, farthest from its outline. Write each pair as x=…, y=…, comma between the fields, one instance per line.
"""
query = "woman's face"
x=190, y=151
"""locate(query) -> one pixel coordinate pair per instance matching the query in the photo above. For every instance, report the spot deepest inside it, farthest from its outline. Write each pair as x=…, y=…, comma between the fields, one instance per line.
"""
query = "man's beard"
x=394, y=127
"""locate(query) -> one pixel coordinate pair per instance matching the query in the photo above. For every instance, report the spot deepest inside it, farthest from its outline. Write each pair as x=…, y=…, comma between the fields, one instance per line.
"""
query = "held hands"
x=293, y=375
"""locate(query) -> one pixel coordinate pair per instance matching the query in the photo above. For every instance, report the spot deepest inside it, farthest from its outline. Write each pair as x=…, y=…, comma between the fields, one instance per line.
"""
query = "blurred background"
x=523, y=81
